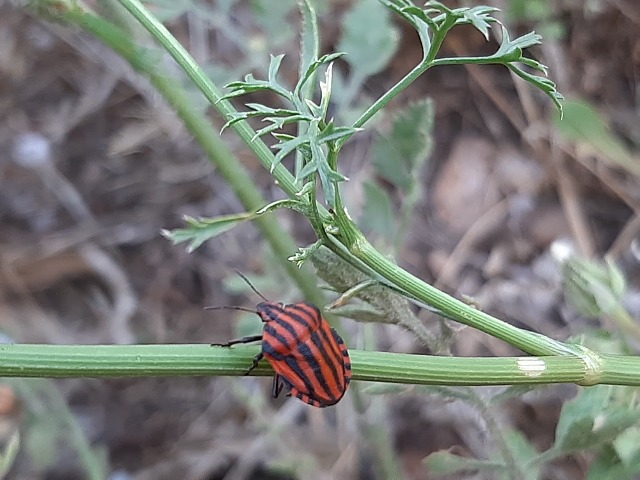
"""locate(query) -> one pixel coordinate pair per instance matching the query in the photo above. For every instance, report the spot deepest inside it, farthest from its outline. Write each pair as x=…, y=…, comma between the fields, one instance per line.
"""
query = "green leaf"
x=480, y=17
x=313, y=67
x=577, y=415
x=627, y=446
x=200, y=230
x=446, y=463
x=399, y=155
x=251, y=84
x=608, y=465
x=286, y=147
x=331, y=133
x=369, y=38
x=328, y=177
x=594, y=288
x=273, y=19
x=299, y=205
x=277, y=123
x=414, y=16
x=582, y=123
x=590, y=420
x=305, y=253
x=274, y=66
x=9, y=453
x=310, y=37
x=523, y=453
x=385, y=389
x=377, y=215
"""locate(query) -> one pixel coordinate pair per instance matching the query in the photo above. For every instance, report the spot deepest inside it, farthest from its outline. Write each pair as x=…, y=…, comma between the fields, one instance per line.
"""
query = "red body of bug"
x=308, y=356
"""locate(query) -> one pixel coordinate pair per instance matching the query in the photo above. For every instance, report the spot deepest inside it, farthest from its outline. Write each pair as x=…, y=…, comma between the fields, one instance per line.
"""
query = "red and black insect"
x=309, y=357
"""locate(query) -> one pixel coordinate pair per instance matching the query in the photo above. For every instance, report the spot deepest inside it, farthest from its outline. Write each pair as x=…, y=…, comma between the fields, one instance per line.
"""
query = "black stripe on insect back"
x=309, y=312
x=312, y=362
x=320, y=329
x=297, y=369
x=279, y=316
x=312, y=321
x=333, y=341
x=308, y=318
x=284, y=316
x=300, y=314
x=321, y=346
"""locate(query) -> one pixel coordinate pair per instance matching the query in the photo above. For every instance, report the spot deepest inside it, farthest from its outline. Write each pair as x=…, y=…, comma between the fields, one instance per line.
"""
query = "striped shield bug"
x=310, y=359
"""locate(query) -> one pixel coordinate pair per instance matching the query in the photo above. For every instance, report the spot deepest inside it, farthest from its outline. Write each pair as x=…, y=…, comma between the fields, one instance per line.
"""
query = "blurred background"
x=93, y=164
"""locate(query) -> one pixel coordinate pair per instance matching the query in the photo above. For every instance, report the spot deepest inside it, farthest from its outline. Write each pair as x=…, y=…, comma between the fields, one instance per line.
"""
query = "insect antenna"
x=252, y=287
x=242, y=309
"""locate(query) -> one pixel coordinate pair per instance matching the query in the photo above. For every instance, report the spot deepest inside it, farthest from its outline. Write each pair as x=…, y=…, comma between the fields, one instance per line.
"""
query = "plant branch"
x=23, y=360
x=210, y=90
x=200, y=127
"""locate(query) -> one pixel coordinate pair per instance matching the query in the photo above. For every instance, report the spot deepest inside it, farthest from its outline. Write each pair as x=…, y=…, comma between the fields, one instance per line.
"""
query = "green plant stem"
x=358, y=251
x=625, y=321
x=497, y=433
x=199, y=126
x=389, y=95
x=403, y=281
x=450, y=307
x=22, y=360
x=188, y=64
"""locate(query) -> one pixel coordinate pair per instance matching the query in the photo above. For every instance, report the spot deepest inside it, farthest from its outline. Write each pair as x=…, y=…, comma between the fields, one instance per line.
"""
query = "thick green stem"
x=178, y=360
x=450, y=307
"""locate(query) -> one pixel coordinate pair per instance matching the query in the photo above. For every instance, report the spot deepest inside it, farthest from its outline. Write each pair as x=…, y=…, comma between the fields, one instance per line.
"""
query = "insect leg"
x=277, y=386
x=249, y=339
x=256, y=360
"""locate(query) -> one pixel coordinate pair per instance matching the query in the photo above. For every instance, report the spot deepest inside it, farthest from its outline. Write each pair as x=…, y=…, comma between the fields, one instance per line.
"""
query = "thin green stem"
x=21, y=360
x=497, y=435
x=374, y=108
x=438, y=38
x=200, y=127
x=526, y=341
x=490, y=60
x=211, y=92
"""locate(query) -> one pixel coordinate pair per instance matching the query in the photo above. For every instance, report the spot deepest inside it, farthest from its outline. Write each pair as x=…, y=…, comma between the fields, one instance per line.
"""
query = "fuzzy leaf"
x=480, y=17
x=273, y=19
x=590, y=420
x=446, y=463
x=199, y=230
x=377, y=215
x=399, y=155
x=309, y=38
x=313, y=67
x=385, y=389
x=608, y=465
x=369, y=38
x=583, y=123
